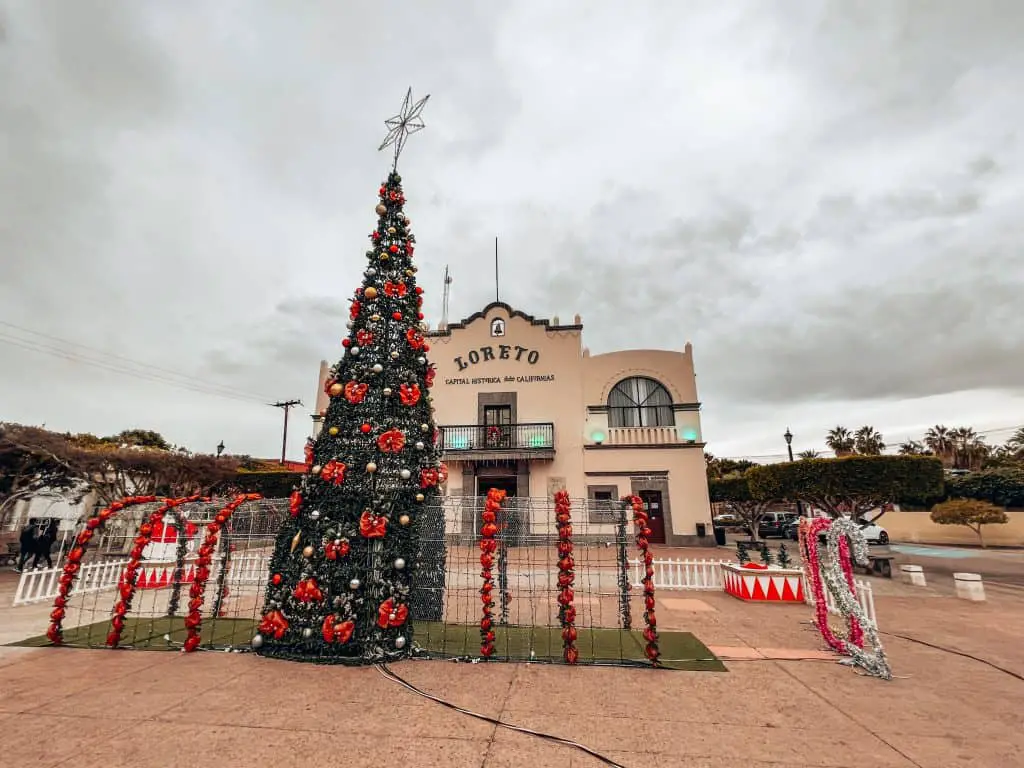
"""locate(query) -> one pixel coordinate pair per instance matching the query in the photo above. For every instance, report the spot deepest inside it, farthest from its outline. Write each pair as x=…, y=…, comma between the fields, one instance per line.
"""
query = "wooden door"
x=655, y=515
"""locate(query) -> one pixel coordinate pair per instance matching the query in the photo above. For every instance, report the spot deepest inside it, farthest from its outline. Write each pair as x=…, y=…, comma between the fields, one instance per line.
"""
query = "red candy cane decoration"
x=55, y=632
x=566, y=577
x=643, y=544
x=130, y=574
x=194, y=620
x=488, y=546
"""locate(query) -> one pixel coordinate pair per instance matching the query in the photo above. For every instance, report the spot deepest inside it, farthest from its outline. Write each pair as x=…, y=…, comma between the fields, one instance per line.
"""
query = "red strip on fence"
x=488, y=546
x=566, y=577
x=643, y=544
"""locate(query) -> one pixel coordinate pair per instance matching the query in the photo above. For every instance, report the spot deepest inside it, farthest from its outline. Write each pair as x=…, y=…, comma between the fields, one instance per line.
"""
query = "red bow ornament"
x=335, y=631
x=307, y=591
x=428, y=477
x=372, y=526
x=355, y=392
x=415, y=339
x=409, y=394
x=364, y=338
x=274, y=624
x=429, y=376
x=333, y=472
x=353, y=310
x=391, y=614
x=295, y=503
x=337, y=549
x=391, y=441
x=394, y=289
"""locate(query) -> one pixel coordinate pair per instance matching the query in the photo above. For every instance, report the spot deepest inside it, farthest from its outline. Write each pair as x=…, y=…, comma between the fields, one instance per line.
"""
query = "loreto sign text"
x=477, y=380
x=498, y=352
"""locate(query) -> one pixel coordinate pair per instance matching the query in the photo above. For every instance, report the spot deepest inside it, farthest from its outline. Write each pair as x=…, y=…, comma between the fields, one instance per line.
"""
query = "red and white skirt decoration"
x=160, y=575
x=757, y=583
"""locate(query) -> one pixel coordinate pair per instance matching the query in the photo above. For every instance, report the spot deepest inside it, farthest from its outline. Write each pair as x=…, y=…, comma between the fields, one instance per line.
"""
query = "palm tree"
x=809, y=454
x=1015, y=444
x=840, y=441
x=913, y=448
x=868, y=441
x=968, y=448
x=940, y=443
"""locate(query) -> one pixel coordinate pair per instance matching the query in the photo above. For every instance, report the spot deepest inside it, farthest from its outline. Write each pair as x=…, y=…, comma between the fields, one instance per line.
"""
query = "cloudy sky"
x=824, y=197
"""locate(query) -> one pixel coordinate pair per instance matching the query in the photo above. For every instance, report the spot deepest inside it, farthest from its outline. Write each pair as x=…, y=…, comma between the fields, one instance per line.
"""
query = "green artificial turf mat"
x=679, y=650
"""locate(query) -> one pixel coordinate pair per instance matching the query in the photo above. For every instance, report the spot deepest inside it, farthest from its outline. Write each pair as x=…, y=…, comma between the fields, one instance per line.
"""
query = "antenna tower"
x=445, y=295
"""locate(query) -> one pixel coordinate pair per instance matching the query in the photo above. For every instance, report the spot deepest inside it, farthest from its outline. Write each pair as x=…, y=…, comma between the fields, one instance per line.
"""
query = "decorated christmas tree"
x=348, y=563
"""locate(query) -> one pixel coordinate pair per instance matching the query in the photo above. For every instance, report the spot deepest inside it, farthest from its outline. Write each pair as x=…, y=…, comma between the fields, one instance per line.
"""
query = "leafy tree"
x=940, y=443
x=734, y=494
x=140, y=438
x=867, y=441
x=840, y=441
x=31, y=464
x=970, y=513
x=853, y=485
x=722, y=467
x=1002, y=487
x=968, y=448
x=913, y=448
x=808, y=454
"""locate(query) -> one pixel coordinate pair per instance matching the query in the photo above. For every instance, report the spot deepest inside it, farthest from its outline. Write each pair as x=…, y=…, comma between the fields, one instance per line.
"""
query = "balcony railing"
x=538, y=437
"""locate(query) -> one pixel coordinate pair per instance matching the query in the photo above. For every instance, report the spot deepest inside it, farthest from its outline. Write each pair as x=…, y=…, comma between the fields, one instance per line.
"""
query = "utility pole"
x=286, y=405
x=497, y=297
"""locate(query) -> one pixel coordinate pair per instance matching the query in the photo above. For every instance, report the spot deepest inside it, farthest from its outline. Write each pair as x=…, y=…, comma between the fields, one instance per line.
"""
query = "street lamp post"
x=789, y=449
x=220, y=449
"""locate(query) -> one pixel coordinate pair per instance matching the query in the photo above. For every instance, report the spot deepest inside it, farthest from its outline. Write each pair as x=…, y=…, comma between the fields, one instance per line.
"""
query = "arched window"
x=640, y=402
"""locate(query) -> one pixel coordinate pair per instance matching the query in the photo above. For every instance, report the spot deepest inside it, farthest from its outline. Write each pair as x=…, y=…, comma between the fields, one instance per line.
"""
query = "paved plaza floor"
x=782, y=702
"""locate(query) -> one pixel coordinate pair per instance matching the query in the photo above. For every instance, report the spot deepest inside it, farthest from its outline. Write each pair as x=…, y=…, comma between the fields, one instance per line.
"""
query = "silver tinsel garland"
x=872, y=658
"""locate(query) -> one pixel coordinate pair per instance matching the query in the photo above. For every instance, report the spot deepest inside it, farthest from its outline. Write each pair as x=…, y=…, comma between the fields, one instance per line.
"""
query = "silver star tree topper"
x=407, y=121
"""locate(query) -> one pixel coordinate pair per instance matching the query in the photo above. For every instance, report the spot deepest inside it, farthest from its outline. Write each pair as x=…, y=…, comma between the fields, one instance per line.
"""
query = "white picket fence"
x=672, y=574
x=38, y=586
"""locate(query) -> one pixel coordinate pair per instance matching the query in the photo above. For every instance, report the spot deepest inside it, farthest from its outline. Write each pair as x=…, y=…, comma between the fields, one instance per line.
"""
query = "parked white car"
x=875, y=534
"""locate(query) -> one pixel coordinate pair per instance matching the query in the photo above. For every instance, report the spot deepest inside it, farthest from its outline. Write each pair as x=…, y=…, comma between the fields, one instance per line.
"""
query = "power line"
x=182, y=381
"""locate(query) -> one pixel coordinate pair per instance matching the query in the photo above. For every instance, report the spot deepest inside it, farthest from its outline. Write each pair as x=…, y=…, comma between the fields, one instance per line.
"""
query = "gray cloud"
x=824, y=200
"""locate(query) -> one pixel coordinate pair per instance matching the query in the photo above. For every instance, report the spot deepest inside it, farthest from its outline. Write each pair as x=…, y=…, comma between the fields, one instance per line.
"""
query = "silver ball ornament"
x=314, y=515
x=419, y=445
x=399, y=642
x=424, y=427
x=405, y=474
x=371, y=271
x=355, y=584
x=399, y=564
x=307, y=633
x=387, y=391
x=257, y=641
x=354, y=351
x=394, y=354
x=378, y=368
x=350, y=325
x=421, y=360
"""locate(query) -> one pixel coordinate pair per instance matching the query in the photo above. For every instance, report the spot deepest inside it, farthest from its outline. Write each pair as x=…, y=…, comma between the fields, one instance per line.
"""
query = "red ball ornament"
x=419, y=315
x=366, y=428
x=396, y=315
x=418, y=289
x=346, y=343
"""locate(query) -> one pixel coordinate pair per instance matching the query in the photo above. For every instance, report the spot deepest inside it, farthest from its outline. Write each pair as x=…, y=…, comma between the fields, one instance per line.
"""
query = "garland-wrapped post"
x=566, y=577
x=622, y=557
x=129, y=577
x=503, y=594
x=73, y=562
x=196, y=593
x=226, y=550
x=181, y=551
x=488, y=547
x=643, y=544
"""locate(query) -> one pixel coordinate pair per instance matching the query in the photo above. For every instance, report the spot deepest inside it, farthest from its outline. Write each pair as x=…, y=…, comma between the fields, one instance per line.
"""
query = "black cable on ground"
x=390, y=675
x=1009, y=672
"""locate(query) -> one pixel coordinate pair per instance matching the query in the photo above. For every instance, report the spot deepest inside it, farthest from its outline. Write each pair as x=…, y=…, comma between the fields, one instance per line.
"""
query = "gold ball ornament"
x=392, y=230
x=333, y=431
x=307, y=551
x=381, y=209
x=375, y=318
x=404, y=520
x=370, y=293
x=420, y=497
x=384, y=257
x=410, y=272
x=371, y=467
x=336, y=389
